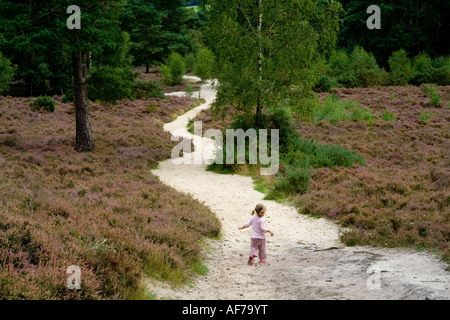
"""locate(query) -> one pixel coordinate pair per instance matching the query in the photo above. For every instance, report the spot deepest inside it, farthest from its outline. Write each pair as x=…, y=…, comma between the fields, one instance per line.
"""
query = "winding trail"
x=305, y=257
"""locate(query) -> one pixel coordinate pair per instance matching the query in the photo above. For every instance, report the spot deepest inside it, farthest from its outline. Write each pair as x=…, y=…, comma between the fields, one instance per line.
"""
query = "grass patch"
x=334, y=110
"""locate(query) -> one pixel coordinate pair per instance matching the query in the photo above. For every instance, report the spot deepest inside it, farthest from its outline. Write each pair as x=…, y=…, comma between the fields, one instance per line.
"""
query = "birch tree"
x=265, y=49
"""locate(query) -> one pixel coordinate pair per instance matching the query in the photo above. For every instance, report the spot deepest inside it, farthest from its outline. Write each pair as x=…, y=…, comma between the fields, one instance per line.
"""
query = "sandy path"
x=305, y=258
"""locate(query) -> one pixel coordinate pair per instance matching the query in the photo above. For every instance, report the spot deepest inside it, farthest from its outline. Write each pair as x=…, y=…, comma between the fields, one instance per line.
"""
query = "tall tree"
x=156, y=27
x=37, y=31
x=30, y=43
x=100, y=25
x=265, y=48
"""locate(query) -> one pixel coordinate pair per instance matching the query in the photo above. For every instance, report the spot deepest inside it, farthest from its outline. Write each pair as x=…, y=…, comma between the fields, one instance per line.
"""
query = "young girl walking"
x=259, y=230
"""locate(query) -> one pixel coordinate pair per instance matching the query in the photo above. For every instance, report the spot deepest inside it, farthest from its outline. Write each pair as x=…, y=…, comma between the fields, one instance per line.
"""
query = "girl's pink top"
x=258, y=227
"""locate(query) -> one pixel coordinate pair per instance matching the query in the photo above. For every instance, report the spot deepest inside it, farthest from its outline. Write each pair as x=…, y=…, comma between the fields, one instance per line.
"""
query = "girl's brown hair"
x=259, y=210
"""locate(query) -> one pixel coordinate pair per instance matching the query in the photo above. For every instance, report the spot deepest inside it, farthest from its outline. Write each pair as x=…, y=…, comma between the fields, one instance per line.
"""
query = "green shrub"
x=427, y=70
x=334, y=110
x=387, y=115
x=338, y=65
x=43, y=103
x=401, y=71
x=150, y=89
x=111, y=84
x=331, y=156
x=441, y=71
x=365, y=70
x=167, y=75
x=360, y=69
x=324, y=84
x=190, y=62
x=426, y=115
x=295, y=181
x=189, y=91
x=432, y=92
x=6, y=73
x=204, y=64
x=69, y=96
x=174, y=69
x=422, y=69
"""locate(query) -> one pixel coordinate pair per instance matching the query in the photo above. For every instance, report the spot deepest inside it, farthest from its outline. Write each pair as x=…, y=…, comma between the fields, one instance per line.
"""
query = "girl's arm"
x=248, y=224
x=271, y=233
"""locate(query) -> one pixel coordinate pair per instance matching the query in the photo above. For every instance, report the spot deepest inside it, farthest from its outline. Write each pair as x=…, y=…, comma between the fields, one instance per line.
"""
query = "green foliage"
x=189, y=91
x=441, y=71
x=422, y=69
x=324, y=84
x=6, y=73
x=334, y=110
x=145, y=90
x=417, y=26
x=111, y=84
x=432, y=92
x=387, y=115
x=401, y=70
x=331, y=156
x=365, y=70
x=156, y=28
x=43, y=103
x=174, y=69
x=190, y=62
x=426, y=115
x=204, y=64
x=295, y=181
x=360, y=69
x=260, y=62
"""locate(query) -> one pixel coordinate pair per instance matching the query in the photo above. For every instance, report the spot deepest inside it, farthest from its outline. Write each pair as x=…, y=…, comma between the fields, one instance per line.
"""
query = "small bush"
x=324, y=84
x=360, y=69
x=422, y=69
x=190, y=62
x=387, y=115
x=365, y=69
x=432, y=92
x=145, y=90
x=441, y=71
x=174, y=69
x=332, y=156
x=427, y=70
x=401, y=70
x=295, y=181
x=426, y=115
x=333, y=110
x=189, y=91
x=43, y=103
x=339, y=66
x=6, y=73
x=204, y=64
x=69, y=96
x=111, y=84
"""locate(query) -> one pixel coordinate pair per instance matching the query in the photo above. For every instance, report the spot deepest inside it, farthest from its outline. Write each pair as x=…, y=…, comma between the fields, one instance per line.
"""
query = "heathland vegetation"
x=102, y=210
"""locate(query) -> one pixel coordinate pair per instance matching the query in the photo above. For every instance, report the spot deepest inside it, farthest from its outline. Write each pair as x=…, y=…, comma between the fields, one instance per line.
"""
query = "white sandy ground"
x=305, y=257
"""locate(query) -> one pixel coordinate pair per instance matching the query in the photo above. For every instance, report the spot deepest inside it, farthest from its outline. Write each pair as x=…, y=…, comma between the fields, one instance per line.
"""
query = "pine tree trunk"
x=147, y=67
x=84, y=141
